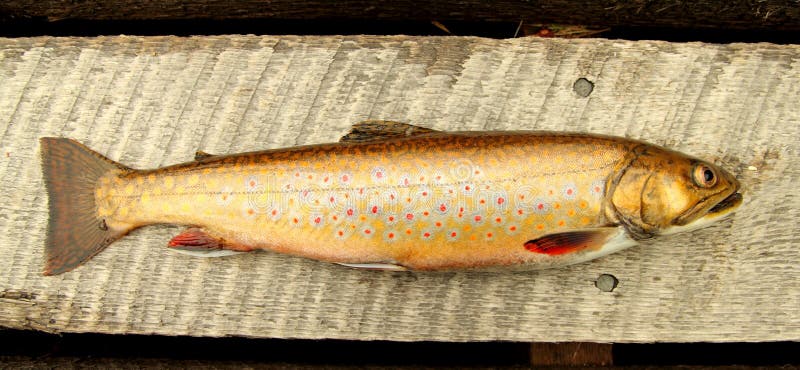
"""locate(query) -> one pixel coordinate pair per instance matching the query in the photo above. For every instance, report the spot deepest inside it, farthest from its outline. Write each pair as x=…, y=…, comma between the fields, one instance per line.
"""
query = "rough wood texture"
x=741, y=14
x=571, y=354
x=153, y=101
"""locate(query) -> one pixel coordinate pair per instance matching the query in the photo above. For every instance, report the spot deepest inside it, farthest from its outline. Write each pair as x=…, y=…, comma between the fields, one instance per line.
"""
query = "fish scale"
x=271, y=200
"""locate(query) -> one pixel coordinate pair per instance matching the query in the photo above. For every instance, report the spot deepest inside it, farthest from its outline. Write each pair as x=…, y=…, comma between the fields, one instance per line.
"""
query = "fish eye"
x=704, y=176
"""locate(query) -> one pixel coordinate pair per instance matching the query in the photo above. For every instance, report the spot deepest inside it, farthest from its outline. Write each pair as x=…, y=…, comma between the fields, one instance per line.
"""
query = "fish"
x=392, y=196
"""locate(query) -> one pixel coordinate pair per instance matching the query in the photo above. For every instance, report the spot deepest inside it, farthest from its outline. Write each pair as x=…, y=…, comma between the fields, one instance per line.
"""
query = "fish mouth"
x=725, y=205
x=722, y=208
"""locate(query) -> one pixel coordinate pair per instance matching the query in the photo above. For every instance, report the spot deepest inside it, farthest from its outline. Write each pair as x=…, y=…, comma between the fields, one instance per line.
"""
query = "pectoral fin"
x=375, y=266
x=574, y=241
x=376, y=130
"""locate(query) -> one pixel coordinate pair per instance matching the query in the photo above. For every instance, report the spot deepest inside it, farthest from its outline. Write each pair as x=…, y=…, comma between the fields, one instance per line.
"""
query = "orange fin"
x=376, y=130
x=196, y=239
x=197, y=242
x=74, y=233
x=572, y=241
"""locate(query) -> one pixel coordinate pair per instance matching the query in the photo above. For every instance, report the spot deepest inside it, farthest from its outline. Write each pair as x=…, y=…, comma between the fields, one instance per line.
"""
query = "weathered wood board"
x=153, y=101
x=764, y=15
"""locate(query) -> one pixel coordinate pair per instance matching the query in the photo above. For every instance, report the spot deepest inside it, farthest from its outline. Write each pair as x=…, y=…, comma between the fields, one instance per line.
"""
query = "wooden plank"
x=768, y=15
x=153, y=101
x=571, y=354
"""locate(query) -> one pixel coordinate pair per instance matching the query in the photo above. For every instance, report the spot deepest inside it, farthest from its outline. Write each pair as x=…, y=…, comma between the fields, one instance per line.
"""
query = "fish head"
x=662, y=192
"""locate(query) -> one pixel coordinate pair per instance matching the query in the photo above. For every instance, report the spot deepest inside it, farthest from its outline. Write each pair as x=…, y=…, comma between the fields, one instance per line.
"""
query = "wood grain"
x=154, y=101
x=746, y=15
x=571, y=354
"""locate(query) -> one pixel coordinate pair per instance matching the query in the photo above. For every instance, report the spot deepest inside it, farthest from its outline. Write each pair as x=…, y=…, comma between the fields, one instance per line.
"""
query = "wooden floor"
x=150, y=102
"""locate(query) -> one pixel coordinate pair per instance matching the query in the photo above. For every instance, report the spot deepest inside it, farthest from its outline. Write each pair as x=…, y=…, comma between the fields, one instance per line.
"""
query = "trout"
x=392, y=196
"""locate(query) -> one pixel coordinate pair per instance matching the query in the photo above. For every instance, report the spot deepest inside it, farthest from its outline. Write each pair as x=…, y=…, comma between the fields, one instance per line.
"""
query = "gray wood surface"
x=153, y=101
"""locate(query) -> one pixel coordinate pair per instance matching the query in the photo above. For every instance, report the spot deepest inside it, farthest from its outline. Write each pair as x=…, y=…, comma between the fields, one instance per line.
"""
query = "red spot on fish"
x=341, y=233
x=250, y=211
x=460, y=215
x=438, y=224
x=460, y=209
x=374, y=209
x=498, y=220
x=521, y=196
x=345, y=178
x=310, y=177
x=477, y=172
x=391, y=235
x=325, y=179
x=596, y=189
x=478, y=218
x=274, y=212
x=391, y=196
x=424, y=193
x=391, y=218
x=488, y=235
x=561, y=223
x=409, y=216
x=332, y=200
x=540, y=206
x=438, y=178
x=467, y=188
x=426, y=234
x=297, y=174
x=406, y=181
x=317, y=220
x=295, y=220
x=570, y=191
x=422, y=178
x=425, y=213
x=520, y=212
x=379, y=174
x=512, y=228
x=408, y=200
x=483, y=201
x=443, y=207
x=350, y=211
x=501, y=200
x=367, y=231
x=453, y=234
x=335, y=217
x=408, y=231
x=252, y=183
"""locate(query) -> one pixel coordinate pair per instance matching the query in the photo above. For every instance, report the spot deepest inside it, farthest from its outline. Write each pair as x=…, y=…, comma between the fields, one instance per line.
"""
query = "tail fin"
x=74, y=233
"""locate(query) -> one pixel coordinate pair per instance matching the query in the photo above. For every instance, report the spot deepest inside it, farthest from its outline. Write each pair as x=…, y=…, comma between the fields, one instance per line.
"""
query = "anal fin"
x=197, y=242
x=374, y=266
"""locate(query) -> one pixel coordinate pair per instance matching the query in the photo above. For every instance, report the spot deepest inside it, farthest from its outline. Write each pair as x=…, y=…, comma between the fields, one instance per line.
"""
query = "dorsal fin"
x=200, y=155
x=376, y=130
